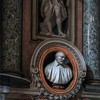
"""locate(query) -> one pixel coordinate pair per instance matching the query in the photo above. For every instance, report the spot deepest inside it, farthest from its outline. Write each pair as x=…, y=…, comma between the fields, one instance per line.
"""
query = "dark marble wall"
x=91, y=37
x=0, y=32
x=11, y=35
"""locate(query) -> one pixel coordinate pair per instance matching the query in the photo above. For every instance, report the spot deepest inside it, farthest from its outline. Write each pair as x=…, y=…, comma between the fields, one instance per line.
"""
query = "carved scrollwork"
x=43, y=53
x=34, y=69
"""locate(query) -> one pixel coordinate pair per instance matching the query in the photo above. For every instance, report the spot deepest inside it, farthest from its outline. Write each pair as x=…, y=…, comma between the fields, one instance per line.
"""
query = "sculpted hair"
x=59, y=53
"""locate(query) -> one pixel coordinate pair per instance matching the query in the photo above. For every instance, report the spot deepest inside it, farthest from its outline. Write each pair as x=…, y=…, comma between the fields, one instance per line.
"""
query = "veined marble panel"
x=91, y=37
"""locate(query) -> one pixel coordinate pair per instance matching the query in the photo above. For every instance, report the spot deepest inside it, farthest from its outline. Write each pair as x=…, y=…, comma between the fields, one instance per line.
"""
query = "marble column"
x=91, y=40
x=11, y=73
x=11, y=35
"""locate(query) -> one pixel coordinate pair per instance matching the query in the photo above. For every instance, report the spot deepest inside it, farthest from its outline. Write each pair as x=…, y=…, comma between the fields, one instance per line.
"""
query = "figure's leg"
x=47, y=19
x=58, y=19
x=49, y=27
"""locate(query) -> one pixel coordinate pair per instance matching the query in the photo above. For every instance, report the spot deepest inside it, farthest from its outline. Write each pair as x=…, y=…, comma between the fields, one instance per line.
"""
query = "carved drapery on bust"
x=57, y=72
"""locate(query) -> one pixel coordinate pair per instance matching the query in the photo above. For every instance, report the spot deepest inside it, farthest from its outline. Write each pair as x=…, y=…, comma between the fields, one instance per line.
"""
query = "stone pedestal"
x=10, y=69
x=91, y=44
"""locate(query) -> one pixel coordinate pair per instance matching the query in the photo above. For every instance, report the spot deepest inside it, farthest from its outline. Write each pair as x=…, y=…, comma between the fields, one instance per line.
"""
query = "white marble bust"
x=57, y=72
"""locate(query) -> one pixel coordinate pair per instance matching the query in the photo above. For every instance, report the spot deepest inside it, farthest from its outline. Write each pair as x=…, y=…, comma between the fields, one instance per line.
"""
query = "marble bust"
x=57, y=72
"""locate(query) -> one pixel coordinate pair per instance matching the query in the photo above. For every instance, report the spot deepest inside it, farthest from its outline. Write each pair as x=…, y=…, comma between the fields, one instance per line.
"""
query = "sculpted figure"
x=53, y=13
x=57, y=72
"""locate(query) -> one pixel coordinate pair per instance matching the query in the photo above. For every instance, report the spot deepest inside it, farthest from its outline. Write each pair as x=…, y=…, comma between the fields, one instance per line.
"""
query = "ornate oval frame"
x=76, y=59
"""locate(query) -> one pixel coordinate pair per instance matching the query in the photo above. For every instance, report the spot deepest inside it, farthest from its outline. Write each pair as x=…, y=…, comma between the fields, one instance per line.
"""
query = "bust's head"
x=60, y=57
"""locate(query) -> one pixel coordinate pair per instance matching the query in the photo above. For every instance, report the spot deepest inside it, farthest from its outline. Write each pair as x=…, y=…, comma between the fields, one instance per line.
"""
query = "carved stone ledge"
x=88, y=96
x=18, y=93
x=13, y=81
x=93, y=88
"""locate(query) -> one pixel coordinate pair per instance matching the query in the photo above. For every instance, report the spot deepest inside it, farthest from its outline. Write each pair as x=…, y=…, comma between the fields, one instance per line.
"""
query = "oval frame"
x=76, y=59
x=74, y=65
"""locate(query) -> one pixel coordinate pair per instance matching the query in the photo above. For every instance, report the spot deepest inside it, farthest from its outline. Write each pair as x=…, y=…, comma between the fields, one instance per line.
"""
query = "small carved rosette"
x=58, y=69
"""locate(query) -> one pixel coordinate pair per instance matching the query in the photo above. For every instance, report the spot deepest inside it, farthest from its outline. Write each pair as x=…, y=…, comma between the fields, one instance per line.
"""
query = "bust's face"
x=60, y=58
